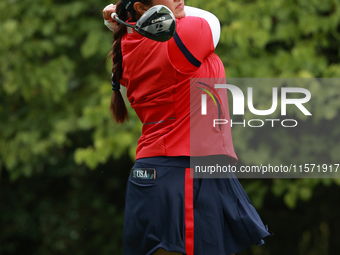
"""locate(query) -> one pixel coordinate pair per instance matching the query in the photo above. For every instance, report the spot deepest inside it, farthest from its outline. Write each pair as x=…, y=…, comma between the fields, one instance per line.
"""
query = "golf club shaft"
x=115, y=17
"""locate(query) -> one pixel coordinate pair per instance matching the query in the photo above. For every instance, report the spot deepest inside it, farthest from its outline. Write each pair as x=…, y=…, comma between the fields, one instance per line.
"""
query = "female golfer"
x=167, y=211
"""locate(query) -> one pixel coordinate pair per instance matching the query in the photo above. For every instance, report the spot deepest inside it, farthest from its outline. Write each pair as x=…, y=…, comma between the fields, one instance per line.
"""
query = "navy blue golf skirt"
x=166, y=208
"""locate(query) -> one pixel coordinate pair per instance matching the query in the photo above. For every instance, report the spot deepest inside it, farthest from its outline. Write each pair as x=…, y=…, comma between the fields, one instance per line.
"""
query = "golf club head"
x=157, y=23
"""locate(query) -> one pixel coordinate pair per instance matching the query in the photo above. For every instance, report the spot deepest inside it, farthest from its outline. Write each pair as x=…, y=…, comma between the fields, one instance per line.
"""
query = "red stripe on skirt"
x=189, y=213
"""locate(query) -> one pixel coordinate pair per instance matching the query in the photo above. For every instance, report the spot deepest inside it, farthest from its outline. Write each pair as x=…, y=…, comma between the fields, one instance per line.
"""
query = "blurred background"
x=64, y=163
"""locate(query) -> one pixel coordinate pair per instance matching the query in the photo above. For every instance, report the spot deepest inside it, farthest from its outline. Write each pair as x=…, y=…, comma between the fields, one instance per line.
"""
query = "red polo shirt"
x=157, y=76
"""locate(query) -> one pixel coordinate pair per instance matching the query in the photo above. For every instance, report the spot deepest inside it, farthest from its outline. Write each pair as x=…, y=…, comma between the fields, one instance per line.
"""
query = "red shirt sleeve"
x=191, y=44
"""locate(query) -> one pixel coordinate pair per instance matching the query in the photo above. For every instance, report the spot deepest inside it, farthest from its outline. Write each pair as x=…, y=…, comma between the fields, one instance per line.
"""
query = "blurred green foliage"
x=55, y=124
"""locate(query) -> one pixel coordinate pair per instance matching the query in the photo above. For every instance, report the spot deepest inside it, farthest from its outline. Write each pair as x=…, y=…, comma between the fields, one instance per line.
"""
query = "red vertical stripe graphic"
x=189, y=213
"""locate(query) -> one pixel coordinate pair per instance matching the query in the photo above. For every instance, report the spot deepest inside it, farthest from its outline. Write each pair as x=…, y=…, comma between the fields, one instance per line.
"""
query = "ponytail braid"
x=117, y=106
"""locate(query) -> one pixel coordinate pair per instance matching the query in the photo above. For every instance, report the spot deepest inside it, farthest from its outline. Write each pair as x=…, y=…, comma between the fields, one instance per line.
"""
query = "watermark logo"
x=294, y=96
x=278, y=127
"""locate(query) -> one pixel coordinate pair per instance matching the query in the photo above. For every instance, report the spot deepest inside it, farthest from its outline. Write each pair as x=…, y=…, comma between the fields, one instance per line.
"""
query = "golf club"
x=157, y=23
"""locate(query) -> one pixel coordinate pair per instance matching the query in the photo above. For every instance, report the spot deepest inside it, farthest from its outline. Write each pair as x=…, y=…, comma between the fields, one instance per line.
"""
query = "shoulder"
x=192, y=26
x=191, y=44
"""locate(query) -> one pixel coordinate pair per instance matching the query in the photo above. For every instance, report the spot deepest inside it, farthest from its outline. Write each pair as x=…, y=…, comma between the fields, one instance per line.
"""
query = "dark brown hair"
x=117, y=106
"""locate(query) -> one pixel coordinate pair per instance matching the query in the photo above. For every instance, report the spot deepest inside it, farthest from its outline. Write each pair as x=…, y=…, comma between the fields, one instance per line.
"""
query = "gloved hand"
x=108, y=21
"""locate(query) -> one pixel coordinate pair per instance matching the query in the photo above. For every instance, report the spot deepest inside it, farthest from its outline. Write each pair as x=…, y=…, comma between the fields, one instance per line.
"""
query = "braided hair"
x=117, y=105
